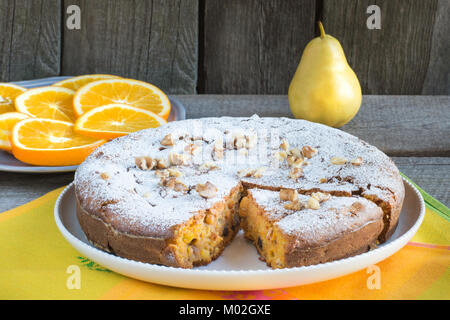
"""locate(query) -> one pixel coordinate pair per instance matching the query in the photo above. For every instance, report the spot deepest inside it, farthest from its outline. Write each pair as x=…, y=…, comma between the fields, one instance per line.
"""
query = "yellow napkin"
x=37, y=263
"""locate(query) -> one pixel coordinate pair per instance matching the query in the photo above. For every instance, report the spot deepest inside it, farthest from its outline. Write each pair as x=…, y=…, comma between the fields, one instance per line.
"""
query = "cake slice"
x=291, y=229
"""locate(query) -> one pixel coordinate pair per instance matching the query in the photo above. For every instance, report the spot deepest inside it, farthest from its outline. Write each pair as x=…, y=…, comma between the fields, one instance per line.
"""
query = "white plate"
x=9, y=163
x=239, y=268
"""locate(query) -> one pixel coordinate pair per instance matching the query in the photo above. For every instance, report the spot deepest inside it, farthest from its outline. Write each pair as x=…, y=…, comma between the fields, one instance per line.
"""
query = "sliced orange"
x=48, y=103
x=8, y=92
x=7, y=122
x=126, y=91
x=48, y=142
x=116, y=120
x=76, y=83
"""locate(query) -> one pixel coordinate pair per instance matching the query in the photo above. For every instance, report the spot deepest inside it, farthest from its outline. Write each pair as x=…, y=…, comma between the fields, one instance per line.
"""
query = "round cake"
x=302, y=192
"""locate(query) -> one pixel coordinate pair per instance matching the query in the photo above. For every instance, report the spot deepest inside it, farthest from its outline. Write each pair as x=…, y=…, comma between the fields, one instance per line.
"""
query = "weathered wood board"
x=30, y=39
x=155, y=41
x=437, y=80
x=398, y=58
x=253, y=46
x=226, y=47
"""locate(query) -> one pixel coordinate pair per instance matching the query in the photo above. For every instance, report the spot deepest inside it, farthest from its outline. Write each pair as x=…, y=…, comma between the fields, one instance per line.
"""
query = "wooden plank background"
x=227, y=47
x=154, y=41
x=253, y=46
x=30, y=42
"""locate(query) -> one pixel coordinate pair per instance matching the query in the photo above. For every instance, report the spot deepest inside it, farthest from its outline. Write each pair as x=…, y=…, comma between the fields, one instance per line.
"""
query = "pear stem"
x=322, y=30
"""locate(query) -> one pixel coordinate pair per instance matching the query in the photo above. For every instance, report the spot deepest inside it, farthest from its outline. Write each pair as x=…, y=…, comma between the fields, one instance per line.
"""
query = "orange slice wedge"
x=125, y=91
x=9, y=92
x=115, y=120
x=47, y=103
x=76, y=83
x=48, y=142
x=7, y=122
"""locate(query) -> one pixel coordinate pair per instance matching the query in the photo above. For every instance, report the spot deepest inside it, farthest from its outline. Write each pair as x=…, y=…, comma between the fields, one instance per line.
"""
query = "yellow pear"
x=324, y=88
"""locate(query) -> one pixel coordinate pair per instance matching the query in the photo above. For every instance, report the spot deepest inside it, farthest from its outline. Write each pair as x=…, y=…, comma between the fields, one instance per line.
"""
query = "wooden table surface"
x=413, y=130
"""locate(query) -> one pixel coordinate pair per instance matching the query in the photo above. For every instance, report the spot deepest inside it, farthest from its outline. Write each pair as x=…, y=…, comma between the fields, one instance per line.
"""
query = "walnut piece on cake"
x=338, y=160
x=174, y=184
x=321, y=196
x=288, y=195
x=206, y=190
x=294, y=205
x=313, y=203
x=208, y=166
x=357, y=161
x=177, y=159
x=168, y=140
x=254, y=173
x=145, y=163
x=309, y=152
x=284, y=145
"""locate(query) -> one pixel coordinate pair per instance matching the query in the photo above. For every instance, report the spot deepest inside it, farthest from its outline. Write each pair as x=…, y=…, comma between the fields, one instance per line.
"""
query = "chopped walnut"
x=296, y=173
x=206, y=190
x=309, y=152
x=193, y=149
x=323, y=180
x=296, y=152
x=313, y=203
x=162, y=163
x=293, y=205
x=290, y=160
x=281, y=155
x=174, y=172
x=104, y=176
x=338, y=160
x=254, y=173
x=320, y=196
x=208, y=166
x=173, y=183
x=245, y=173
x=145, y=163
x=177, y=159
x=162, y=173
x=288, y=195
x=297, y=163
x=168, y=140
x=284, y=145
x=357, y=161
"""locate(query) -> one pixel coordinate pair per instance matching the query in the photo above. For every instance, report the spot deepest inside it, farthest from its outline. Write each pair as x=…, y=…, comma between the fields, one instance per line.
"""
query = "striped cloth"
x=35, y=258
